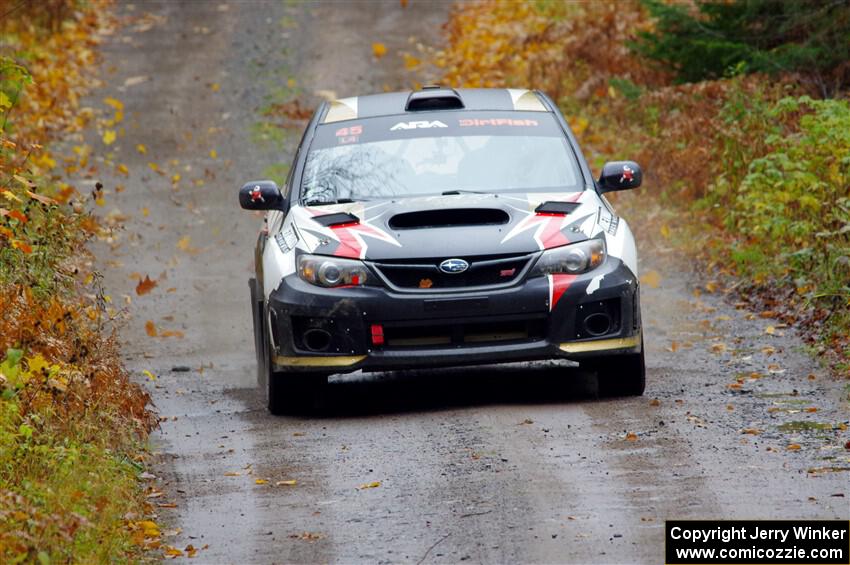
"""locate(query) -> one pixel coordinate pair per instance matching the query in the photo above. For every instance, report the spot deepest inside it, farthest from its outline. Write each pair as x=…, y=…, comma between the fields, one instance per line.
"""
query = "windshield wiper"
x=455, y=192
x=337, y=201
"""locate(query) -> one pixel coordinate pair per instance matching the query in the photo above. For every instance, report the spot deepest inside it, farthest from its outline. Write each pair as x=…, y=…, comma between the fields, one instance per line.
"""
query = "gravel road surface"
x=518, y=463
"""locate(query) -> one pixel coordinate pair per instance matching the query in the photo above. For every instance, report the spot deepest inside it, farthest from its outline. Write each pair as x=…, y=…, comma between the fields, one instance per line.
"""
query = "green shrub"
x=811, y=37
x=791, y=210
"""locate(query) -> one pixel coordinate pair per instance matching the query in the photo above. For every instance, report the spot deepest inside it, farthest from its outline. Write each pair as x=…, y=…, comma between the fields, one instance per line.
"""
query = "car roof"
x=432, y=98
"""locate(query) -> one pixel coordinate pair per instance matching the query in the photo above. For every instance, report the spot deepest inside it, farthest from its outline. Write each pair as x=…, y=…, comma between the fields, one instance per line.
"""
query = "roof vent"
x=434, y=98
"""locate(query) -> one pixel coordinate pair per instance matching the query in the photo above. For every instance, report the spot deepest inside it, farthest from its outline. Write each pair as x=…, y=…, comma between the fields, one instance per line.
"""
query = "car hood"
x=464, y=225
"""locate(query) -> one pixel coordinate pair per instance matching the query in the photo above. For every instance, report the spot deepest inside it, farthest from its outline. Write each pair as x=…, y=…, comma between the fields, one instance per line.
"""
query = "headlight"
x=332, y=271
x=571, y=259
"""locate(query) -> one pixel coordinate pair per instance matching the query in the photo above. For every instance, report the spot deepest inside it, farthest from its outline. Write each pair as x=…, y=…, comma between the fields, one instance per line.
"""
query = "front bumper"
x=421, y=330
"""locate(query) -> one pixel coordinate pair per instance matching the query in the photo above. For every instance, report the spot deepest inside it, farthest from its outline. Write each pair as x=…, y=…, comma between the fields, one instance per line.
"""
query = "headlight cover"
x=333, y=272
x=572, y=259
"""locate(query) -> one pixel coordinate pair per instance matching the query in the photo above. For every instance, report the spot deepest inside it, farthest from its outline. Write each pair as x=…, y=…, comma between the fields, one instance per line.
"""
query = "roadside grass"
x=748, y=172
x=72, y=424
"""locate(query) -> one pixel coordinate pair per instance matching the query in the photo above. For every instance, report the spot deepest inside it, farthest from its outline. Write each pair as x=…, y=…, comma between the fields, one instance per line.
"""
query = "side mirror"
x=261, y=195
x=620, y=175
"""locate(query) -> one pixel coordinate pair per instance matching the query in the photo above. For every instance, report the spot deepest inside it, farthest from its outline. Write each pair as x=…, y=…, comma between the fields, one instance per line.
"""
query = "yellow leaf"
x=374, y=484
x=260, y=481
x=145, y=212
x=794, y=447
x=215, y=87
x=185, y=243
x=379, y=50
x=173, y=552
x=122, y=168
x=117, y=104
x=288, y=483
x=109, y=137
x=149, y=375
x=410, y=62
x=150, y=328
x=770, y=330
x=651, y=278
x=141, y=149
x=175, y=178
x=36, y=363
x=154, y=167
x=291, y=83
x=711, y=286
x=665, y=231
x=10, y=196
x=213, y=154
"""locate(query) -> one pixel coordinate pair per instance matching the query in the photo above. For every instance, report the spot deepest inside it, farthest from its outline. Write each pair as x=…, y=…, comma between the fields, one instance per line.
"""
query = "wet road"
x=492, y=464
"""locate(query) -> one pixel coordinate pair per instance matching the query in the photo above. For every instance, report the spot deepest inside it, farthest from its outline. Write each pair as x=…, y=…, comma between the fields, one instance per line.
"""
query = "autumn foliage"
x=72, y=424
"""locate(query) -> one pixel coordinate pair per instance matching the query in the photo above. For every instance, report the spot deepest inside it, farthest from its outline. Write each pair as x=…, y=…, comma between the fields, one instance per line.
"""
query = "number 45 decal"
x=352, y=130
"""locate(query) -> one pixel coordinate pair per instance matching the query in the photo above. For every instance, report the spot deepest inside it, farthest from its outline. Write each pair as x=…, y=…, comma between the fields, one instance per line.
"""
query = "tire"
x=620, y=375
x=288, y=392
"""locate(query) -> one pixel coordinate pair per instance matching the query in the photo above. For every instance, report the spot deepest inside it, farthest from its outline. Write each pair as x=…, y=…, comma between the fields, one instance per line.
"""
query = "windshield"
x=430, y=157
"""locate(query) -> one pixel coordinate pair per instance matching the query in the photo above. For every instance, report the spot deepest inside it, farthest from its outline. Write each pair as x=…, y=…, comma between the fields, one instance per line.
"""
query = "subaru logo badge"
x=454, y=266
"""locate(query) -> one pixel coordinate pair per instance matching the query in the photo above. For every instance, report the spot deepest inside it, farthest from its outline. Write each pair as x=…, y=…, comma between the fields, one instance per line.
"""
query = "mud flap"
x=259, y=337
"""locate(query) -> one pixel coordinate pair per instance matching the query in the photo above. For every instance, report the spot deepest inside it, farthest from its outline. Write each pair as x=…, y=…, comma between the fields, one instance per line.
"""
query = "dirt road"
x=511, y=464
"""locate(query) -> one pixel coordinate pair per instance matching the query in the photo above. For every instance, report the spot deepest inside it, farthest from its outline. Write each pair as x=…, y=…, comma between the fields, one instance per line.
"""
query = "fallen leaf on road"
x=145, y=285
x=674, y=346
x=794, y=447
x=651, y=279
x=711, y=286
x=109, y=137
x=116, y=104
x=811, y=409
x=133, y=81
x=770, y=330
x=171, y=333
x=379, y=50
x=233, y=474
x=173, y=551
x=150, y=328
x=185, y=243
x=287, y=483
x=213, y=154
x=261, y=481
x=149, y=375
x=374, y=484
x=655, y=402
x=631, y=436
x=718, y=347
x=307, y=536
x=751, y=431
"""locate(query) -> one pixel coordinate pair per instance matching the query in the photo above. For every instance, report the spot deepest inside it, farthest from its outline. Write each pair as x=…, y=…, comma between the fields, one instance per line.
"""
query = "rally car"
x=442, y=227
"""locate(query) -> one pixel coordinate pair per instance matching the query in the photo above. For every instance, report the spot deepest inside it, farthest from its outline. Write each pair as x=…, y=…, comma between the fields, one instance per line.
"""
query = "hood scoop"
x=449, y=218
x=553, y=207
x=336, y=219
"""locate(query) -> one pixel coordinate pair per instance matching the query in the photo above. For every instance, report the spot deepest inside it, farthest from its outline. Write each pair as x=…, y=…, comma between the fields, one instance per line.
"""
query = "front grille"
x=442, y=333
x=425, y=274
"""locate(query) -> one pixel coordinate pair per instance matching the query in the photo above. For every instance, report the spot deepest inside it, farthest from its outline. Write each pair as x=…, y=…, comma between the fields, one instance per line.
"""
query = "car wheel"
x=620, y=375
x=289, y=392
